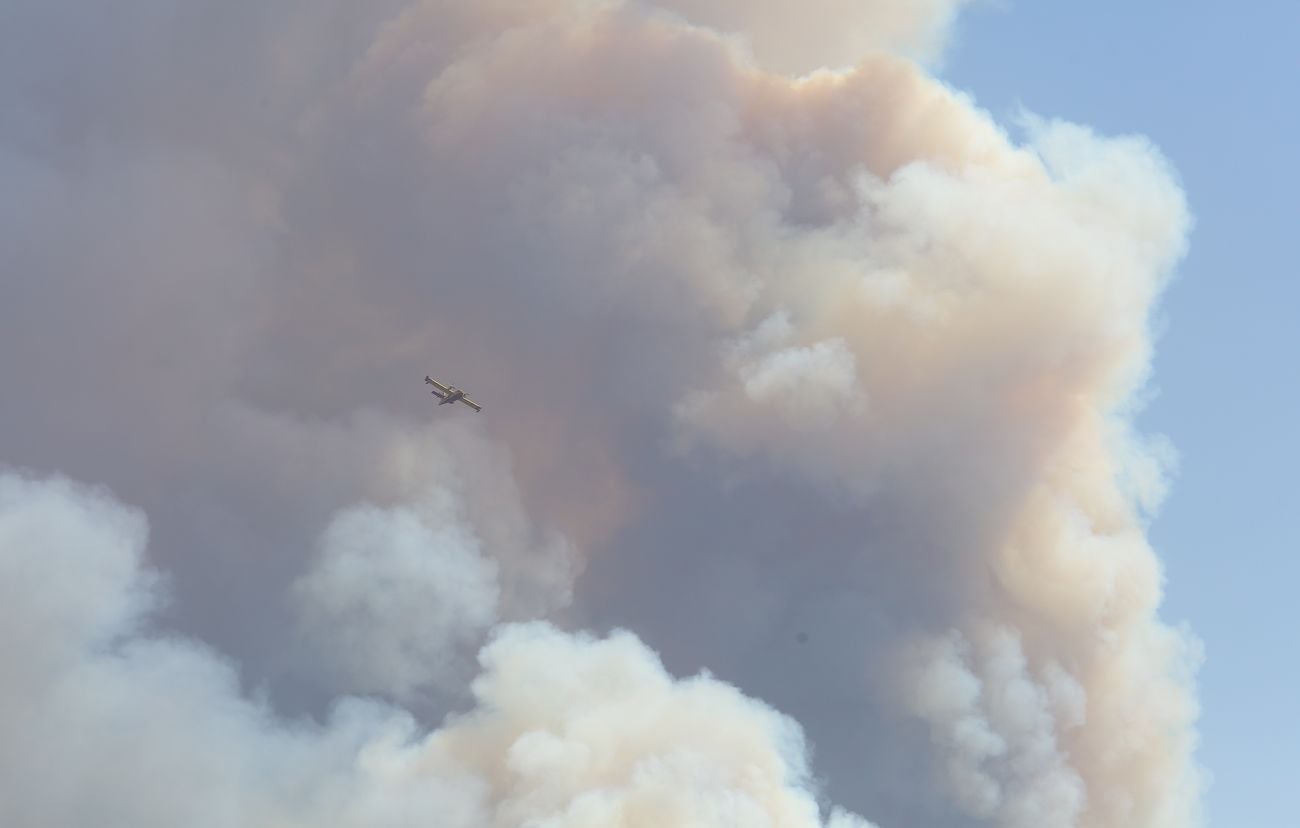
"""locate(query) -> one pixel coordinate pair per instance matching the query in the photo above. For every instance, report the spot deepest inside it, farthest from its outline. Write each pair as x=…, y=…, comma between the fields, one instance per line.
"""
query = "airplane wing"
x=439, y=389
x=471, y=403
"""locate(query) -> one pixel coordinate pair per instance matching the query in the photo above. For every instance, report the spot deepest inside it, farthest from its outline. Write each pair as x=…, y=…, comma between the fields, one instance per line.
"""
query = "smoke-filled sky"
x=808, y=489
x=1214, y=88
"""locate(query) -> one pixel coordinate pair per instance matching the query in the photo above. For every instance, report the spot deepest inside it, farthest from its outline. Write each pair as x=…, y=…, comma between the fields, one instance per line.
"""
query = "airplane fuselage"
x=453, y=395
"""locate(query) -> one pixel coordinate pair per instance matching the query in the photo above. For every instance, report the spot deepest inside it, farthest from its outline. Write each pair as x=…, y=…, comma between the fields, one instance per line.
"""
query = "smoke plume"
x=795, y=364
x=107, y=724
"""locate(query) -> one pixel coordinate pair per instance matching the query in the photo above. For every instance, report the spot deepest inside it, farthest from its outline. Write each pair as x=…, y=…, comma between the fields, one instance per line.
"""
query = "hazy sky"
x=813, y=486
x=1214, y=87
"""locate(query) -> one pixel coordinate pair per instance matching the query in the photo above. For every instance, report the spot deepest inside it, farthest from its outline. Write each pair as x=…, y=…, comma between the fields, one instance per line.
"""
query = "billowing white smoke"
x=797, y=38
x=824, y=382
x=997, y=725
x=401, y=587
x=395, y=592
x=108, y=723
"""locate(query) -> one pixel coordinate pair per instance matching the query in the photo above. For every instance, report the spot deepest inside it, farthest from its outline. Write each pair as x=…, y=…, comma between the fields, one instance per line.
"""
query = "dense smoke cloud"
x=821, y=383
x=799, y=38
x=107, y=723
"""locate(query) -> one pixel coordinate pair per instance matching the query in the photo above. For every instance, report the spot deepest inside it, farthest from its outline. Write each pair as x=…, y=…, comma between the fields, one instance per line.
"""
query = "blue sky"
x=1214, y=86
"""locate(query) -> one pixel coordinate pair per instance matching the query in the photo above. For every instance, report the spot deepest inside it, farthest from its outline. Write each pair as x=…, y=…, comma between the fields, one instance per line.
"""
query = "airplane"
x=448, y=394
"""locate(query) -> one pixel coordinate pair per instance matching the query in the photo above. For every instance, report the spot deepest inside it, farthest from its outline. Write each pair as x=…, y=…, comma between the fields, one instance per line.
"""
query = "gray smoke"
x=793, y=361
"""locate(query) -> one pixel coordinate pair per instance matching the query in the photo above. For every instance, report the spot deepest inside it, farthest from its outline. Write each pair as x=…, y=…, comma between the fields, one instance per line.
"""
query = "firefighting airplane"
x=448, y=394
